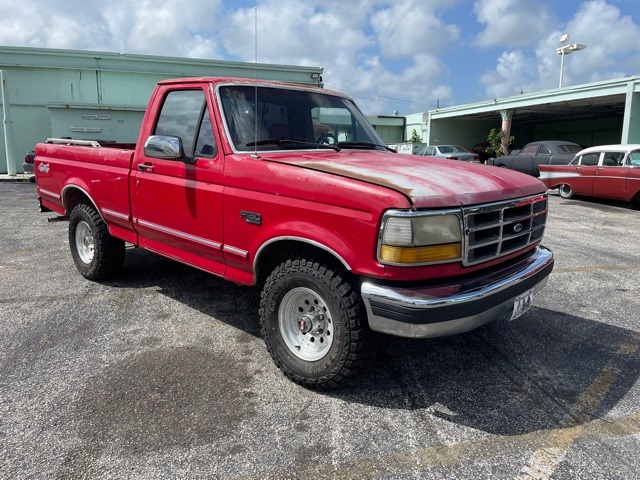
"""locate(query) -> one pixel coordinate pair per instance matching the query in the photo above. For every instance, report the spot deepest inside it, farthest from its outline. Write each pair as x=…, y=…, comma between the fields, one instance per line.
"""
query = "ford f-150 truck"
x=290, y=188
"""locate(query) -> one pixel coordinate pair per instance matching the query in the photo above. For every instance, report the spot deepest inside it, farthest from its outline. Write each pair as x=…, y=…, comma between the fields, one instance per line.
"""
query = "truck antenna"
x=255, y=94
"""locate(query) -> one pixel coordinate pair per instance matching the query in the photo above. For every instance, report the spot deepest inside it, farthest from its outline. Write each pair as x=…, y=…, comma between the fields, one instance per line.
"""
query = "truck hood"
x=426, y=182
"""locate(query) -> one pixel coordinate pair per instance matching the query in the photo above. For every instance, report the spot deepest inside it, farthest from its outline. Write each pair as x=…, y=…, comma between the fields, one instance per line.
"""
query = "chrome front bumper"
x=457, y=307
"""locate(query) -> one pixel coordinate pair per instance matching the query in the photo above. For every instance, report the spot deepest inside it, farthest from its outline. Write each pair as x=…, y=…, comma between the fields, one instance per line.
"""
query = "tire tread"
x=109, y=251
x=355, y=357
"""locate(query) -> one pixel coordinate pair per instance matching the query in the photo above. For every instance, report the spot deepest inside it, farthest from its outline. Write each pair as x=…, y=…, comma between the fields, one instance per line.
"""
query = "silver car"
x=450, y=152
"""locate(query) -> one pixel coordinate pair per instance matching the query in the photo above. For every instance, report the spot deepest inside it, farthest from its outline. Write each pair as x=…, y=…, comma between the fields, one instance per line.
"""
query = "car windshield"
x=287, y=118
x=458, y=148
x=634, y=158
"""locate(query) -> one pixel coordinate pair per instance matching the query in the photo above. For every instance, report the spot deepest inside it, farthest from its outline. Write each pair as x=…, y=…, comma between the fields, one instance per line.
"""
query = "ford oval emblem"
x=517, y=228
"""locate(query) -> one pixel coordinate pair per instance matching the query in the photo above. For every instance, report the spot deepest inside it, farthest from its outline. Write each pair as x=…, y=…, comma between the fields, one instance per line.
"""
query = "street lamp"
x=565, y=49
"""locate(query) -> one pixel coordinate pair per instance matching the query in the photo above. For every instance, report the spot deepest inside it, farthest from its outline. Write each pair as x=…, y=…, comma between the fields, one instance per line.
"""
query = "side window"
x=590, y=159
x=184, y=114
x=529, y=150
x=544, y=150
x=206, y=143
x=612, y=159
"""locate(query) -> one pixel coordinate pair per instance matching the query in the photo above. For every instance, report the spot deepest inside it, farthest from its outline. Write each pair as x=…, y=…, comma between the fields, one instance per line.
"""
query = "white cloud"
x=612, y=52
x=320, y=33
x=129, y=26
x=611, y=39
x=388, y=54
x=409, y=27
x=53, y=25
x=293, y=32
x=165, y=27
x=512, y=23
x=414, y=88
x=512, y=75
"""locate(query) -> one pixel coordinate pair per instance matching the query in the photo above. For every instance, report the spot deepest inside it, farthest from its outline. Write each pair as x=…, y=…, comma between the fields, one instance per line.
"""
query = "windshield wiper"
x=284, y=141
x=364, y=145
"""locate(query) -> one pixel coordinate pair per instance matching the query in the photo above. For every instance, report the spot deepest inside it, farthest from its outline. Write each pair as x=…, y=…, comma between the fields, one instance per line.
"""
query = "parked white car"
x=450, y=152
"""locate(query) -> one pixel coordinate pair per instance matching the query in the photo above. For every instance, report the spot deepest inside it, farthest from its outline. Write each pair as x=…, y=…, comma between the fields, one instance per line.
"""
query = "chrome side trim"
x=424, y=312
x=298, y=239
x=113, y=213
x=177, y=233
x=550, y=175
x=50, y=194
x=235, y=251
x=71, y=185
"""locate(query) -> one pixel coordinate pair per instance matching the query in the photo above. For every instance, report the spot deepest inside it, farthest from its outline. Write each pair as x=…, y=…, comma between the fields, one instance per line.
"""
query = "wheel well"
x=74, y=197
x=276, y=253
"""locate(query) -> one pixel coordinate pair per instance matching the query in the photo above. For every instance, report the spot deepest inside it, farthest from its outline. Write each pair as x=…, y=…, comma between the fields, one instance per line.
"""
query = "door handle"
x=145, y=167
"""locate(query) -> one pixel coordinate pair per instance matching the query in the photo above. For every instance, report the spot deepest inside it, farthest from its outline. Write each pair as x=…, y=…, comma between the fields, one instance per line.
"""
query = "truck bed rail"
x=73, y=141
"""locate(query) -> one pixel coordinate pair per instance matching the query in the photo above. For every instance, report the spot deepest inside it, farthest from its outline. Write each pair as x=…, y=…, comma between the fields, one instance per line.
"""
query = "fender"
x=126, y=234
x=355, y=257
x=298, y=239
x=71, y=185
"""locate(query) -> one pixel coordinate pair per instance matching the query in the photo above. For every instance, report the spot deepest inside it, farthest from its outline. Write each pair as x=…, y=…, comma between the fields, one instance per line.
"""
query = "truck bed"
x=76, y=166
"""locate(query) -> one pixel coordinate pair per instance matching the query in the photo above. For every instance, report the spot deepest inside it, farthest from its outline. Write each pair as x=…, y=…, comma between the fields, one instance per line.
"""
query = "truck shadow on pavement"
x=545, y=370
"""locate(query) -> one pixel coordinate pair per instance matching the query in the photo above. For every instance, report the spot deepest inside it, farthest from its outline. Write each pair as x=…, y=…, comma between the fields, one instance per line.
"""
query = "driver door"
x=179, y=202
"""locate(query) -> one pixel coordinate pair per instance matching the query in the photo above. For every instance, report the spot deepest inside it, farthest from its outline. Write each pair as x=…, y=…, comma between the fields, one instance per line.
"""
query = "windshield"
x=452, y=149
x=293, y=119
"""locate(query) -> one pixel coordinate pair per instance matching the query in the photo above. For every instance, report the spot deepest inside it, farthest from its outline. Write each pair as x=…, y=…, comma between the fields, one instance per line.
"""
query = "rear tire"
x=313, y=323
x=565, y=191
x=95, y=252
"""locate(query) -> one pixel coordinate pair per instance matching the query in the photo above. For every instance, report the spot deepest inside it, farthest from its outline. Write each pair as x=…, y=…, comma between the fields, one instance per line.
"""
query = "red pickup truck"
x=290, y=188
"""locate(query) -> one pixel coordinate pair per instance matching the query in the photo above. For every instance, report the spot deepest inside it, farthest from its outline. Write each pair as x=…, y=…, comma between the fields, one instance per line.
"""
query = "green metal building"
x=599, y=113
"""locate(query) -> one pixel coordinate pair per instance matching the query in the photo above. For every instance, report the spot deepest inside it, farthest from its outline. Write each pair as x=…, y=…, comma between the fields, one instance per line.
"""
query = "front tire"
x=95, y=252
x=565, y=191
x=313, y=323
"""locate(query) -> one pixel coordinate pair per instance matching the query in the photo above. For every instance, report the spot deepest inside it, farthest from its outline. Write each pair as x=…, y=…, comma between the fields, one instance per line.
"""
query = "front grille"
x=498, y=229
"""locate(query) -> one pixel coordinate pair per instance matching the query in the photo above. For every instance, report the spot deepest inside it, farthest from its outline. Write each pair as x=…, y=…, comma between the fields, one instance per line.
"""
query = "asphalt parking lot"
x=162, y=373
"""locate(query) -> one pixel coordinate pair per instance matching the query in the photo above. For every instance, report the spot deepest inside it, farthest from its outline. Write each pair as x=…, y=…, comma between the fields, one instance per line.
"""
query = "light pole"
x=565, y=49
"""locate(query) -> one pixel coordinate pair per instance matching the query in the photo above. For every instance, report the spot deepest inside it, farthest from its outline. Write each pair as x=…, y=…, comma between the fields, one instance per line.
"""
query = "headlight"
x=414, y=239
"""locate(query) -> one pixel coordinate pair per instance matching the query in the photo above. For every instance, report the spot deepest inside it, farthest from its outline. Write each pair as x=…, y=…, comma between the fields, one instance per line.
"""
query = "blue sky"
x=404, y=55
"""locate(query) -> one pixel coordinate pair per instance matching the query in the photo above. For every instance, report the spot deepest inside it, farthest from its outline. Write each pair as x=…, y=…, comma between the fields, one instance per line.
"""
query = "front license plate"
x=521, y=304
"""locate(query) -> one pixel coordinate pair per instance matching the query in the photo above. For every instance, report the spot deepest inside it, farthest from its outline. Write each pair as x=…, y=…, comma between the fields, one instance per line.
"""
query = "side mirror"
x=166, y=147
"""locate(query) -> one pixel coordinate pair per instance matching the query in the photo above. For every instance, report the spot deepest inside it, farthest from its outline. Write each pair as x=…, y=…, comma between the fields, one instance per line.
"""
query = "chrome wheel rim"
x=305, y=324
x=565, y=190
x=85, y=243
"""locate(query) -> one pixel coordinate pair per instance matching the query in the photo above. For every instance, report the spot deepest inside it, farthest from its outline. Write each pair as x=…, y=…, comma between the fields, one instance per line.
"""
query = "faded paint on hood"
x=427, y=182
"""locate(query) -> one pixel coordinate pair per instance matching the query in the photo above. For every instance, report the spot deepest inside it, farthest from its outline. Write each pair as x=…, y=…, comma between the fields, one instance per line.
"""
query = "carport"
x=591, y=114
